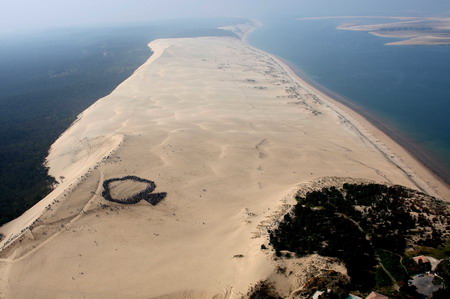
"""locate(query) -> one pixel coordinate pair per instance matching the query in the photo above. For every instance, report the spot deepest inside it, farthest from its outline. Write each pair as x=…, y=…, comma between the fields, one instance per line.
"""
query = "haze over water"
x=405, y=88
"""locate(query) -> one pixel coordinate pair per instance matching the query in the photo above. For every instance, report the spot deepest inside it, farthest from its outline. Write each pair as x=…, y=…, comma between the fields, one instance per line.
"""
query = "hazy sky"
x=28, y=15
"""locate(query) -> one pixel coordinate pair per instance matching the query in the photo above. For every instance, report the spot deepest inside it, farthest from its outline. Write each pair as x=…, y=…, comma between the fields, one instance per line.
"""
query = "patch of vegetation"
x=324, y=232
x=264, y=289
x=363, y=225
x=383, y=281
x=439, y=253
x=391, y=263
x=443, y=270
x=335, y=283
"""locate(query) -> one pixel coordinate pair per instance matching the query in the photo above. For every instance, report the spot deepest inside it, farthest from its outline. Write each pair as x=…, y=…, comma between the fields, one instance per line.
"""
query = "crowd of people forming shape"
x=146, y=194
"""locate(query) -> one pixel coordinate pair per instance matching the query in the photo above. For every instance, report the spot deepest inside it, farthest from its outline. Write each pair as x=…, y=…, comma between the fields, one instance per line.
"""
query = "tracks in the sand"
x=70, y=222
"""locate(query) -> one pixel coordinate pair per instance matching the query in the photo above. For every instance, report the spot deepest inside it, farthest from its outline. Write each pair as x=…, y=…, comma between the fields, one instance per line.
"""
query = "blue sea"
x=405, y=90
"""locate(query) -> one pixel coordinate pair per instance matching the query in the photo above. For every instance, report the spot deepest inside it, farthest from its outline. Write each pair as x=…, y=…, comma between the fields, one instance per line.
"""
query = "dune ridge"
x=229, y=132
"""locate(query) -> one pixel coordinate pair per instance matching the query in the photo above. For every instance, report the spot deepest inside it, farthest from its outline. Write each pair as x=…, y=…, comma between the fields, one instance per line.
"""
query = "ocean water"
x=403, y=89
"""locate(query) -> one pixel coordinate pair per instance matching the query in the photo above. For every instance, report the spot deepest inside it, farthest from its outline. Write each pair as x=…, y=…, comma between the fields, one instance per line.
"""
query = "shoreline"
x=409, y=146
x=395, y=146
x=230, y=134
x=410, y=160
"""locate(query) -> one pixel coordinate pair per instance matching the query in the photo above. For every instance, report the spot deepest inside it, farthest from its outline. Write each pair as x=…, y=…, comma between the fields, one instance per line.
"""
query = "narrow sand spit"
x=228, y=133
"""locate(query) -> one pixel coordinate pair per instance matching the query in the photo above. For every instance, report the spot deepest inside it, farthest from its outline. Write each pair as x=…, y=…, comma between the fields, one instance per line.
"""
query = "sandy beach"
x=230, y=133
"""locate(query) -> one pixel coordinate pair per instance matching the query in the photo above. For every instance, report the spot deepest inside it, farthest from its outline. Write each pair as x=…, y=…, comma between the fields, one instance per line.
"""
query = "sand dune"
x=229, y=134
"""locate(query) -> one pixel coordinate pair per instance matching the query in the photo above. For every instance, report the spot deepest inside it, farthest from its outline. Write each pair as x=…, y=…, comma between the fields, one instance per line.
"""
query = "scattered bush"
x=263, y=290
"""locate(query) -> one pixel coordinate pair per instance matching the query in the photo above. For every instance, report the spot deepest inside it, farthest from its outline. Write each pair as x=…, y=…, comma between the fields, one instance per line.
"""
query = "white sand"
x=228, y=134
